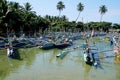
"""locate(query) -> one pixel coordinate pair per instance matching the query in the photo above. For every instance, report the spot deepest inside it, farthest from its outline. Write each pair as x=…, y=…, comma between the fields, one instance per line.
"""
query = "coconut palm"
x=102, y=11
x=14, y=6
x=27, y=15
x=80, y=8
x=28, y=7
x=3, y=8
x=60, y=7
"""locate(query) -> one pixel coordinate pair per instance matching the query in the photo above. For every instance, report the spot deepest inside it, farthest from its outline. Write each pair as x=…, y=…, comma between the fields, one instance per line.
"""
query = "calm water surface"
x=36, y=64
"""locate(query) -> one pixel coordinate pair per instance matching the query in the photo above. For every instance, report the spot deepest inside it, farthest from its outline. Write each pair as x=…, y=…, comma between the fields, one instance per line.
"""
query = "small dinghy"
x=62, y=54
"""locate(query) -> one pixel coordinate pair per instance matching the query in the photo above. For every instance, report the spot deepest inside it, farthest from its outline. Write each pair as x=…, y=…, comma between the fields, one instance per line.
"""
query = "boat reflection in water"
x=87, y=72
x=117, y=62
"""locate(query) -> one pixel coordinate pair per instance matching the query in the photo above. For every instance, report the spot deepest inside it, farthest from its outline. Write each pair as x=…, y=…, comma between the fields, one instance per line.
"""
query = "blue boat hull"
x=47, y=46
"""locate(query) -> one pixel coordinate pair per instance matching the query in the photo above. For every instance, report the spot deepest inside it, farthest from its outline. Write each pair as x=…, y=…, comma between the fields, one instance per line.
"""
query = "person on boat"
x=10, y=51
x=111, y=40
x=88, y=57
x=89, y=53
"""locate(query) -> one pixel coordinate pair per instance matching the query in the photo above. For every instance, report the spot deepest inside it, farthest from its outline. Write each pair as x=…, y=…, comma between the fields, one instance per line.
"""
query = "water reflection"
x=28, y=55
x=53, y=54
x=5, y=64
x=8, y=65
x=117, y=60
x=87, y=72
x=117, y=67
x=59, y=61
x=43, y=65
x=87, y=69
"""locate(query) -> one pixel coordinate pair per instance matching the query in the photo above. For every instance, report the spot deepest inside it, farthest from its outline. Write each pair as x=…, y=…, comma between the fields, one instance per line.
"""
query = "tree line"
x=17, y=18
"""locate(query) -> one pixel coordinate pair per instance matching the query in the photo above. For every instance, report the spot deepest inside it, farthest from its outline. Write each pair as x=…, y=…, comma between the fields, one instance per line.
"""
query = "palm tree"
x=27, y=15
x=60, y=7
x=14, y=6
x=3, y=8
x=80, y=8
x=102, y=11
x=27, y=7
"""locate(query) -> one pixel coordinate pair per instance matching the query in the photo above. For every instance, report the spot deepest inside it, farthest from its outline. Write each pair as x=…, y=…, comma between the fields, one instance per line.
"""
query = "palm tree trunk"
x=101, y=17
x=77, y=17
x=59, y=13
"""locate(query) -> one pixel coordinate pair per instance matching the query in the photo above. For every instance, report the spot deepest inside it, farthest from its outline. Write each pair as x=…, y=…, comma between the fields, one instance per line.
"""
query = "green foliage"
x=116, y=26
x=16, y=18
x=60, y=7
x=105, y=26
x=80, y=8
x=102, y=11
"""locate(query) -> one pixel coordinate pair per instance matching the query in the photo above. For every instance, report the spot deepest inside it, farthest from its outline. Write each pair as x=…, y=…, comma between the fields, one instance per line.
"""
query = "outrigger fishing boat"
x=91, y=57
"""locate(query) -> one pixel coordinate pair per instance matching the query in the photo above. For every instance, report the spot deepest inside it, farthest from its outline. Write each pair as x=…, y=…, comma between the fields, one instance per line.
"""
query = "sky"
x=90, y=12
